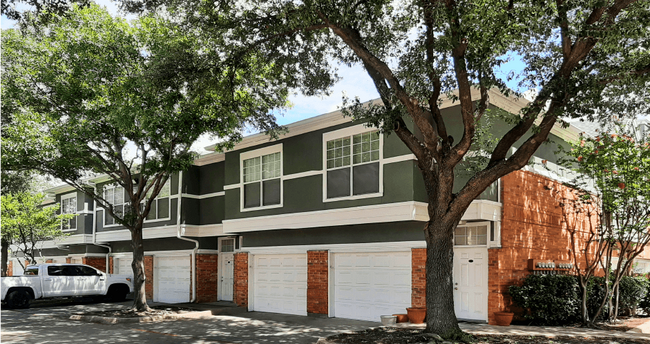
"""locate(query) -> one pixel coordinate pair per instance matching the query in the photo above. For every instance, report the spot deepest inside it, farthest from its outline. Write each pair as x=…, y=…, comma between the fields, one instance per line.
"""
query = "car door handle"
x=47, y=279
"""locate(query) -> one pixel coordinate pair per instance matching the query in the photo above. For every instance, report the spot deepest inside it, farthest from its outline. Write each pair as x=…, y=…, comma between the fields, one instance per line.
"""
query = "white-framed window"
x=160, y=207
x=69, y=206
x=352, y=159
x=261, y=176
x=115, y=196
x=471, y=234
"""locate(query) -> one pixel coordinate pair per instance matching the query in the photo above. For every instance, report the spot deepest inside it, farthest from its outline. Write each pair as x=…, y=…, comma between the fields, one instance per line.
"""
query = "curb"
x=147, y=319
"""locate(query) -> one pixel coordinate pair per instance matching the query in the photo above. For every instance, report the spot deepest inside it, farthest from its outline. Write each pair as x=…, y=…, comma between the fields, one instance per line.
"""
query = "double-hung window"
x=160, y=206
x=115, y=196
x=69, y=206
x=352, y=163
x=261, y=176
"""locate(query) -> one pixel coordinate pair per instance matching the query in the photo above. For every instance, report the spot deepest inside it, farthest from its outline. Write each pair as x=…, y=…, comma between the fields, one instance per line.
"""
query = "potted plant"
x=416, y=314
x=503, y=318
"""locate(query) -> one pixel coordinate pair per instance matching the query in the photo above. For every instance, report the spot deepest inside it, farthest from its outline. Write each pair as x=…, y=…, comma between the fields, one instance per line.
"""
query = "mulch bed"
x=410, y=336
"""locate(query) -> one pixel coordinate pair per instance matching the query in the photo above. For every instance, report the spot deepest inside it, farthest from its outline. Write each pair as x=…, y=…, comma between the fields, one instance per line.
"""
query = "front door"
x=226, y=270
x=470, y=283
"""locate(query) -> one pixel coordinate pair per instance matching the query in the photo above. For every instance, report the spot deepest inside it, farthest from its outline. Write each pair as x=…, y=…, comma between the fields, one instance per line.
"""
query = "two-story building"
x=326, y=220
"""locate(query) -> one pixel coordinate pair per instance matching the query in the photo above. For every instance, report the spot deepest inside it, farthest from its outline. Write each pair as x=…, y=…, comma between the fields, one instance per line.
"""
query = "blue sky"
x=354, y=83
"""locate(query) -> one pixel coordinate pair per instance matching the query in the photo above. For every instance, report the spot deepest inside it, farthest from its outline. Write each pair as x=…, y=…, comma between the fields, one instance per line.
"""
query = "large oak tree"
x=585, y=59
x=87, y=94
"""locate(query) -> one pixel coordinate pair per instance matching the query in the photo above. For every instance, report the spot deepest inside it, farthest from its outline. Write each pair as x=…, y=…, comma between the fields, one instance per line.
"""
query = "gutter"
x=110, y=250
x=180, y=231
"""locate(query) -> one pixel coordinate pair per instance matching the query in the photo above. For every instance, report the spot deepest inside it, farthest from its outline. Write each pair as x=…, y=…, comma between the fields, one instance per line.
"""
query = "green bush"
x=632, y=291
x=548, y=299
x=555, y=299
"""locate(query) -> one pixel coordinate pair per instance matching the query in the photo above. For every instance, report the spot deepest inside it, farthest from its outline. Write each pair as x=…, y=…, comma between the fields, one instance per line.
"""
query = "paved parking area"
x=46, y=324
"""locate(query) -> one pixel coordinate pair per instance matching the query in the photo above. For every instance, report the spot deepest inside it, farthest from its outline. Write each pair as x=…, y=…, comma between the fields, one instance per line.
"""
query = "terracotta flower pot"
x=402, y=318
x=503, y=318
x=416, y=314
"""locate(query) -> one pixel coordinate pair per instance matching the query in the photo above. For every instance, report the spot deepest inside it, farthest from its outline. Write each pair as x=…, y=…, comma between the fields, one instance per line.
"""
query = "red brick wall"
x=532, y=227
x=68, y=260
x=418, y=277
x=207, y=277
x=317, y=281
x=10, y=268
x=241, y=279
x=96, y=262
x=110, y=265
x=49, y=261
x=148, y=275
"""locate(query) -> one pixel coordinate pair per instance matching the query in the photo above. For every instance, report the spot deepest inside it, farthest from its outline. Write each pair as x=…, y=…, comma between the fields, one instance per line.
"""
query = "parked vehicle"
x=44, y=281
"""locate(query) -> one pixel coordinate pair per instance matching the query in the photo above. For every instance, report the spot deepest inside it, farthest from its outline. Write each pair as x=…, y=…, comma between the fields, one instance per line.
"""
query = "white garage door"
x=280, y=283
x=17, y=269
x=122, y=265
x=172, y=276
x=368, y=285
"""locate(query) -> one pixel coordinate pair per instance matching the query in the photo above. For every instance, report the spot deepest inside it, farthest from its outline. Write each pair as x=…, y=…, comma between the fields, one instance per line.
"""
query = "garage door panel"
x=173, y=278
x=367, y=285
x=280, y=283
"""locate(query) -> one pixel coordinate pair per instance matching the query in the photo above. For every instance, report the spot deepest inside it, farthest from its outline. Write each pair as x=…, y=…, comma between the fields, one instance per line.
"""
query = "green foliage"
x=632, y=291
x=548, y=299
x=25, y=222
x=645, y=301
x=556, y=299
x=87, y=93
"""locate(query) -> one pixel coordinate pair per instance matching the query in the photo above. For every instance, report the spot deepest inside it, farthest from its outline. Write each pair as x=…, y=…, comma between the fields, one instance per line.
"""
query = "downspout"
x=180, y=231
x=110, y=250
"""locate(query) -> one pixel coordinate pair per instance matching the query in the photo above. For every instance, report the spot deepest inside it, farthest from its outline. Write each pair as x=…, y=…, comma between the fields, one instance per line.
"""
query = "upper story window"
x=69, y=206
x=261, y=171
x=353, y=163
x=115, y=196
x=160, y=206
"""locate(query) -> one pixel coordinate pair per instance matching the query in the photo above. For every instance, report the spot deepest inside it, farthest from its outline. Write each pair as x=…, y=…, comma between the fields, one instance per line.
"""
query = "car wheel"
x=18, y=299
x=117, y=294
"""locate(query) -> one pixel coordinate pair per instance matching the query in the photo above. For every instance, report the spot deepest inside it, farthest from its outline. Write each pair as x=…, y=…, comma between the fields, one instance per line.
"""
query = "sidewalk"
x=342, y=325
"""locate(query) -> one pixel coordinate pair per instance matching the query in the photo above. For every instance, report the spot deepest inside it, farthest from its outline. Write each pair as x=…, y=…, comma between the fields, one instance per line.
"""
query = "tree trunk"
x=441, y=318
x=584, y=311
x=5, y=256
x=139, y=277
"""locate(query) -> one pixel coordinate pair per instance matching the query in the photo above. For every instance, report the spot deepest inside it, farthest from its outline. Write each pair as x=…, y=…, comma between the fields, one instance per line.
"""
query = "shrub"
x=645, y=301
x=548, y=299
x=632, y=291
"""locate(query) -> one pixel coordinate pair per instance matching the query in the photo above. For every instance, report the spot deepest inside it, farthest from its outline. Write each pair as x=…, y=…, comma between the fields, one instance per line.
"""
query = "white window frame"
x=350, y=132
x=234, y=244
x=62, y=210
x=105, y=212
x=259, y=153
x=157, y=200
x=487, y=224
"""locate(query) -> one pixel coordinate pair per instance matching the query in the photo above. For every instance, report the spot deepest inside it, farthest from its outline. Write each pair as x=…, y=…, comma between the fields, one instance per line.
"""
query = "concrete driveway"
x=46, y=324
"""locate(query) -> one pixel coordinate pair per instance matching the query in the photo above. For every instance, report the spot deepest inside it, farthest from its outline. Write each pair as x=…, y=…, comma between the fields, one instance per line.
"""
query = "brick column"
x=207, y=277
x=111, y=270
x=317, y=282
x=418, y=277
x=49, y=261
x=241, y=279
x=98, y=263
x=148, y=275
x=10, y=268
x=68, y=260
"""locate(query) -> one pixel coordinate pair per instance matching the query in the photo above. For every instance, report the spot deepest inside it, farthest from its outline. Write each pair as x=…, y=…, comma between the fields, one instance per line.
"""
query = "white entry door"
x=470, y=283
x=226, y=272
x=280, y=283
x=368, y=285
x=172, y=277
